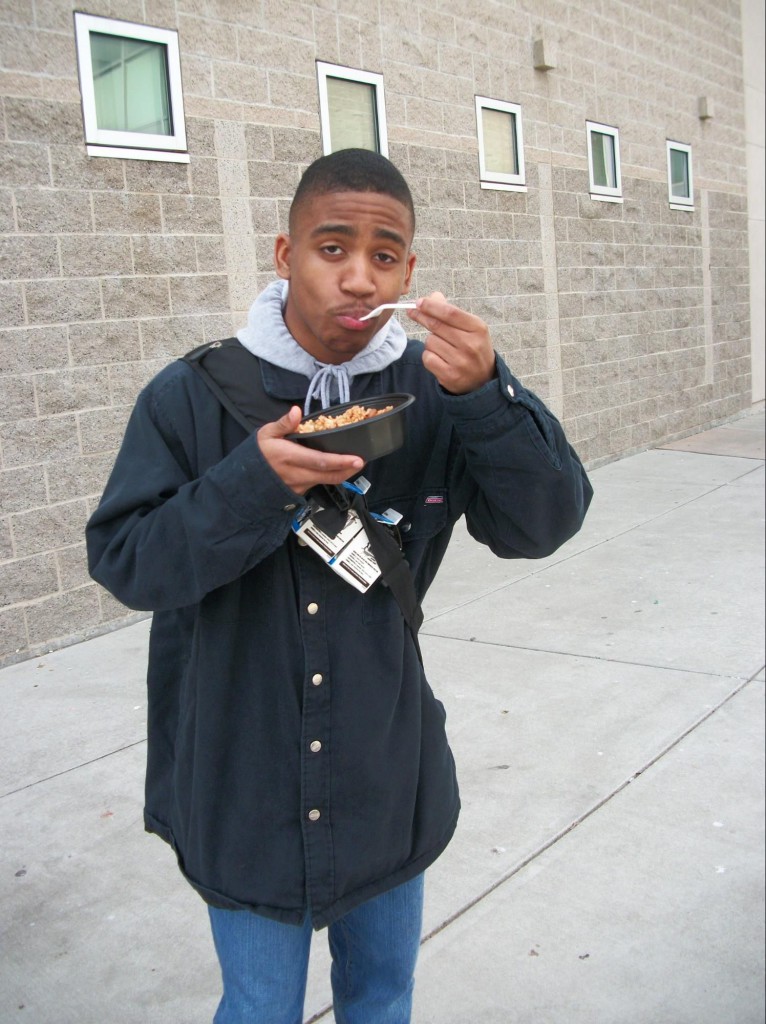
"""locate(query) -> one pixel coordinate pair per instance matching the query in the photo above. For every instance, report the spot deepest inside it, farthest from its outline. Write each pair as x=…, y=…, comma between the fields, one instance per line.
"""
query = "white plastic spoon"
x=388, y=305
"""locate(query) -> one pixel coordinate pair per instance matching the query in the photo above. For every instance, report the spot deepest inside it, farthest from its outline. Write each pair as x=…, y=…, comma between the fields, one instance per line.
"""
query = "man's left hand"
x=458, y=351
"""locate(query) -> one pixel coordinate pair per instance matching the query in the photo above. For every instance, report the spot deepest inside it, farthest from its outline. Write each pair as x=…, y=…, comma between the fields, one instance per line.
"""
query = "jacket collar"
x=284, y=384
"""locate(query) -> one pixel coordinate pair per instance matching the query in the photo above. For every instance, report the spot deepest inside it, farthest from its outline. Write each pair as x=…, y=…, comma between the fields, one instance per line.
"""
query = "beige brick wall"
x=631, y=319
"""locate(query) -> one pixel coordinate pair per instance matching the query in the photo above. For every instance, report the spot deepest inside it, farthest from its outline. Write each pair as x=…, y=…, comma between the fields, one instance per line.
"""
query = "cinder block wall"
x=632, y=319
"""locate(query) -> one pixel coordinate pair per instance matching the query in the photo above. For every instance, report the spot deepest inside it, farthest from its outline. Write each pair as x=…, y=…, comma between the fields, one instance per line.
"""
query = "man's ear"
x=282, y=256
x=411, y=260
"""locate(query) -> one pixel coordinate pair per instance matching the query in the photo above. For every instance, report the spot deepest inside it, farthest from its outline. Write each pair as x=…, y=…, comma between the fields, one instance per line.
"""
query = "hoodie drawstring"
x=321, y=385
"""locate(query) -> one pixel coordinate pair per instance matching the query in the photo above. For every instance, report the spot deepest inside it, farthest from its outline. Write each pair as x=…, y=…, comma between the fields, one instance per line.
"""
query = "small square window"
x=604, y=162
x=501, y=145
x=680, y=184
x=130, y=82
x=352, y=109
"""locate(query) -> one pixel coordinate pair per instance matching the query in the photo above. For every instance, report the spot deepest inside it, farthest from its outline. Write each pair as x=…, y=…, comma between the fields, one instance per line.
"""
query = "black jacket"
x=276, y=690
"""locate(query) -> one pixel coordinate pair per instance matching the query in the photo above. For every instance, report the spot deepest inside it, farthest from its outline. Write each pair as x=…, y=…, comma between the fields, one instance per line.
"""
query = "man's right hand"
x=298, y=467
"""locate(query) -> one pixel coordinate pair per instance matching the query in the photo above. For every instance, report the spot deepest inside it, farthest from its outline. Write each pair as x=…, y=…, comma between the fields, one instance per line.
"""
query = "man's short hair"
x=352, y=170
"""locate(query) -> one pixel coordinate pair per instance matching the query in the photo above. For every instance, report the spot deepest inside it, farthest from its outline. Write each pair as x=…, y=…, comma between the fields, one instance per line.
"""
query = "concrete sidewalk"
x=605, y=707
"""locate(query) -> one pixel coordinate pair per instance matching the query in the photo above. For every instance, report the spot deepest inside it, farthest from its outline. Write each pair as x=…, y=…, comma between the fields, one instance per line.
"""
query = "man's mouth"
x=351, y=318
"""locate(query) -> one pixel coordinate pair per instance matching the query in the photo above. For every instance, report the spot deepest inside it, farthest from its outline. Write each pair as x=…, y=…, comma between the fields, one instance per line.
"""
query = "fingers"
x=320, y=467
x=298, y=467
x=436, y=314
x=301, y=479
x=459, y=350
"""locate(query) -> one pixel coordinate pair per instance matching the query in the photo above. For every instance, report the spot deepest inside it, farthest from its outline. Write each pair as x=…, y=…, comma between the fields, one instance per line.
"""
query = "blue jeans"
x=374, y=949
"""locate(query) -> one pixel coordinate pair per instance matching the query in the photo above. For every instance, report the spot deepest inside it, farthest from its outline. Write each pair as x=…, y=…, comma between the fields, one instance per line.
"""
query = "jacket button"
x=313, y=608
x=315, y=746
x=288, y=508
x=317, y=679
x=511, y=392
x=314, y=815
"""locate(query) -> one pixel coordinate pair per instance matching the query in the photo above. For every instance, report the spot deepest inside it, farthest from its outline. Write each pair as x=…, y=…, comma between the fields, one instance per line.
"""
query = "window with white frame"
x=604, y=161
x=680, y=184
x=130, y=83
x=501, y=144
x=352, y=109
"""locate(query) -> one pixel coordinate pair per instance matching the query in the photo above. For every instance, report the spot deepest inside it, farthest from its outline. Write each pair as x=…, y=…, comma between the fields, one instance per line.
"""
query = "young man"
x=297, y=759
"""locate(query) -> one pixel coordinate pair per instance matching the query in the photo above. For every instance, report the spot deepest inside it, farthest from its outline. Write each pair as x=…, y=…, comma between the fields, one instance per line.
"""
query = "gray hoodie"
x=267, y=337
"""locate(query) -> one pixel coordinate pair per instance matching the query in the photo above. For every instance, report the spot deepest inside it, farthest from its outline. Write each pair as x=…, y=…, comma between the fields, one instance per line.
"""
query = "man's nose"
x=358, y=276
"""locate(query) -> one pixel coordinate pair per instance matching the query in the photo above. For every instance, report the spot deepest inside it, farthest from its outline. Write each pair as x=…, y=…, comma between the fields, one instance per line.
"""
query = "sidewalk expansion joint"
x=72, y=768
x=535, y=854
x=325, y=1010
x=607, y=660
x=581, y=551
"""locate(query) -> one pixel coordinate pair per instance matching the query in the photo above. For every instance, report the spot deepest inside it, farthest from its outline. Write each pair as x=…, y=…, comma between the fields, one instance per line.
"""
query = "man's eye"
x=332, y=250
x=386, y=257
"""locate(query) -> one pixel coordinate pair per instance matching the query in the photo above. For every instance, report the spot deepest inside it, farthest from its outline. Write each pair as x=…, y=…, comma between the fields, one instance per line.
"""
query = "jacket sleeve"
x=163, y=535
x=528, y=489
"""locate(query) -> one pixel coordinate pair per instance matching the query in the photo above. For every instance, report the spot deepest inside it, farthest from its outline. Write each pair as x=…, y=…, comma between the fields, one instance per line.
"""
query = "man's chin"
x=341, y=352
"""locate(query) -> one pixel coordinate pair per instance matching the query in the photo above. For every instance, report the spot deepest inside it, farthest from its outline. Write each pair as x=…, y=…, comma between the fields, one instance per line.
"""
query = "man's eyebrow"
x=333, y=229
x=349, y=231
x=392, y=236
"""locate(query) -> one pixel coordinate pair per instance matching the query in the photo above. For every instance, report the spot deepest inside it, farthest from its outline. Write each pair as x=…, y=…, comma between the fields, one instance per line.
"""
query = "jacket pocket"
x=423, y=516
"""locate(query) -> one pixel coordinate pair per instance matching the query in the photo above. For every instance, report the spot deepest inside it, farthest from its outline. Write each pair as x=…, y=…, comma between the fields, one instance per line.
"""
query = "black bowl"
x=369, y=439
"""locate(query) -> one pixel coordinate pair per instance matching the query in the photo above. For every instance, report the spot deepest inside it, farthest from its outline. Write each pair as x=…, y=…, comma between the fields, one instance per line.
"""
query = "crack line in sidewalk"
x=72, y=768
x=591, y=811
x=581, y=551
x=590, y=657
x=526, y=861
